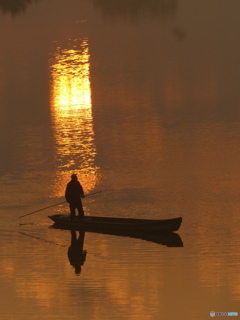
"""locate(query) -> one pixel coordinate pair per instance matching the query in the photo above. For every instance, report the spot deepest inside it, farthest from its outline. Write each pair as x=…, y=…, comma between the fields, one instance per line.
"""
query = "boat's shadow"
x=169, y=239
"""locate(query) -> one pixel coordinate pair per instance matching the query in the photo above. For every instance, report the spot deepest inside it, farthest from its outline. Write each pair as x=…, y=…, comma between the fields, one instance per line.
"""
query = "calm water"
x=141, y=100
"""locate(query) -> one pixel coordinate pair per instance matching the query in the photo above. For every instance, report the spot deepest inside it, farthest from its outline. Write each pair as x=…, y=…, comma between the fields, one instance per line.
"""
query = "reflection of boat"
x=117, y=224
x=169, y=239
x=158, y=231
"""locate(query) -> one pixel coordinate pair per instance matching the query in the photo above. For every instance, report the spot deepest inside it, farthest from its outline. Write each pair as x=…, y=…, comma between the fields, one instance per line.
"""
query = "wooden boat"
x=105, y=224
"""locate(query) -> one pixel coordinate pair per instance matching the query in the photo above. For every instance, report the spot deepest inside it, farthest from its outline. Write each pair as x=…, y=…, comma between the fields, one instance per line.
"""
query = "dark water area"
x=141, y=100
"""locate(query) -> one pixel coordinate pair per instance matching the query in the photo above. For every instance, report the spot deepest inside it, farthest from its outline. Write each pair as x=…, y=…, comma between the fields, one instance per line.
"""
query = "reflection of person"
x=73, y=194
x=76, y=254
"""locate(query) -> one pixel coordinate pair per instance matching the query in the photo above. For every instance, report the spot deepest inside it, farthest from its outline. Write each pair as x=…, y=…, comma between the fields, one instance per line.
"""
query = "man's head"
x=74, y=177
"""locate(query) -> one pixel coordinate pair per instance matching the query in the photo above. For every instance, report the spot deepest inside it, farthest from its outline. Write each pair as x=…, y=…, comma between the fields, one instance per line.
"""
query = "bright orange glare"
x=71, y=111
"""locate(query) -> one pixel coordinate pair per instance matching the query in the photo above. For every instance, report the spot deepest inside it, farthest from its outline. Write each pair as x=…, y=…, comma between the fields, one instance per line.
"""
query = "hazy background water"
x=141, y=100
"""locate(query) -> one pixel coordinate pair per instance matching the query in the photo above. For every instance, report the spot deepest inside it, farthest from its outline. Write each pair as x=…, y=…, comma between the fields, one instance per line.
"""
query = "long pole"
x=54, y=205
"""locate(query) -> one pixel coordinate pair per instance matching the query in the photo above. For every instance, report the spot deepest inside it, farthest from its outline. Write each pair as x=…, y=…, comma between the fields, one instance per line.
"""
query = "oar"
x=91, y=194
x=54, y=205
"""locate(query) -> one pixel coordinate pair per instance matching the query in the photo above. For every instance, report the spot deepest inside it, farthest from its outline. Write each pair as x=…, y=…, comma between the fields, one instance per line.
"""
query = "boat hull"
x=104, y=224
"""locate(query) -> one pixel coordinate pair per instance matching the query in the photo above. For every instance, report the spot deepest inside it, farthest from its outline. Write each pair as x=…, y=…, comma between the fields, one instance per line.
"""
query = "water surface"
x=142, y=102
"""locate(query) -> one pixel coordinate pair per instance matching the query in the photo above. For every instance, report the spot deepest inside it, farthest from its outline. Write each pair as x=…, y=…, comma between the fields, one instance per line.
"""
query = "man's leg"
x=72, y=210
x=80, y=209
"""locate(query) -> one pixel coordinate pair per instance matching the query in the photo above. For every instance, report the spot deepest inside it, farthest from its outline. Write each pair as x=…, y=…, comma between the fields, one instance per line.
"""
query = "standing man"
x=73, y=194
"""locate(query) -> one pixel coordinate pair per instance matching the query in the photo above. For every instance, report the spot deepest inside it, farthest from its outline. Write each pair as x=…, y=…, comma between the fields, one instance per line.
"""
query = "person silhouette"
x=76, y=254
x=73, y=194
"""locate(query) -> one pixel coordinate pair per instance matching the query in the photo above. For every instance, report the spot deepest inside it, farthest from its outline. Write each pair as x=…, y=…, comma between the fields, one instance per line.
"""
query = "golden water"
x=142, y=102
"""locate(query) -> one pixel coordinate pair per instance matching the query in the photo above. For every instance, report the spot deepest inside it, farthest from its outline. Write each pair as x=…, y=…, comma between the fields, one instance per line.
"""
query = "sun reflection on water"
x=72, y=120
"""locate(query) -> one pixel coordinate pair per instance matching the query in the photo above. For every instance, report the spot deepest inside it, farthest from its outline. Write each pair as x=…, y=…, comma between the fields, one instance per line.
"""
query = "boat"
x=157, y=231
x=103, y=224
